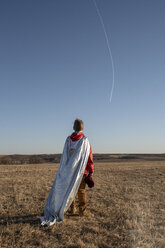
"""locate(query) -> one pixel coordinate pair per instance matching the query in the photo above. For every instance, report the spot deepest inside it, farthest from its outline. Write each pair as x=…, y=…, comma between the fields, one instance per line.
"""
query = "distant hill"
x=55, y=158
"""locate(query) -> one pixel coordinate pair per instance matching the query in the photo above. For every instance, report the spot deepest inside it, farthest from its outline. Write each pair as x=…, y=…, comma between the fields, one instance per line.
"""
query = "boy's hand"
x=89, y=180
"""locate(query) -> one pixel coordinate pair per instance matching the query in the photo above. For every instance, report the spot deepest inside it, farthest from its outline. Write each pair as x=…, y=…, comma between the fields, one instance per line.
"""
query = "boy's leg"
x=82, y=200
x=82, y=196
x=73, y=206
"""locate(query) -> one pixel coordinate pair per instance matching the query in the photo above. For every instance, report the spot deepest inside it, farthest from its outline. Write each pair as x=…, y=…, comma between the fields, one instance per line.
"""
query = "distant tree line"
x=55, y=158
x=31, y=160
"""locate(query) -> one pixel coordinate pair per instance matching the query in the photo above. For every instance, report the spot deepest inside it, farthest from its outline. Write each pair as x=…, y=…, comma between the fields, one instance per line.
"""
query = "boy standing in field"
x=75, y=169
x=78, y=127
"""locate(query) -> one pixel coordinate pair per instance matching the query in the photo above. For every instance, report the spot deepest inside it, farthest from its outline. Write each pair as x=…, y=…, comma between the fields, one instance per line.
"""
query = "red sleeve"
x=90, y=164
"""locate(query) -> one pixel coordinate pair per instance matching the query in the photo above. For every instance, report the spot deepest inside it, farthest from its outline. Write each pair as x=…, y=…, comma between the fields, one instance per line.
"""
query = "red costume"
x=90, y=165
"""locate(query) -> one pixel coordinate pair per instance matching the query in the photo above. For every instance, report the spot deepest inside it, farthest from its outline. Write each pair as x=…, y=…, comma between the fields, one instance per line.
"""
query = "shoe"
x=73, y=211
x=86, y=213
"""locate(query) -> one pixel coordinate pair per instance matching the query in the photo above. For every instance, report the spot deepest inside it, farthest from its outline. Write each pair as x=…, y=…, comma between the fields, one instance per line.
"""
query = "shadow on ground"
x=33, y=219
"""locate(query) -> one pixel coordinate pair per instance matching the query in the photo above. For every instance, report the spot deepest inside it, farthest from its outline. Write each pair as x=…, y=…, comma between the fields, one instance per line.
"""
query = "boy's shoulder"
x=85, y=138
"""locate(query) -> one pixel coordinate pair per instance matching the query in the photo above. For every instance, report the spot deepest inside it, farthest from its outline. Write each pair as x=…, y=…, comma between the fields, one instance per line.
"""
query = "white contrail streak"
x=109, y=48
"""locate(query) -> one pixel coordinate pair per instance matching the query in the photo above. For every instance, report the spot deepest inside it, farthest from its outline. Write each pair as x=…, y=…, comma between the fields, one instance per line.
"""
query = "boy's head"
x=78, y=125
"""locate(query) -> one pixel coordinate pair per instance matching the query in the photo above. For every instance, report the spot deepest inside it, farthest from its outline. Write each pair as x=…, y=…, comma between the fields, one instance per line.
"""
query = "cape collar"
x=76, y=136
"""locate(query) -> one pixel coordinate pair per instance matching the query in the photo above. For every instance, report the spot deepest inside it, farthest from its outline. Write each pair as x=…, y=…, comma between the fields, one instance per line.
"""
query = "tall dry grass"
x=128, y=202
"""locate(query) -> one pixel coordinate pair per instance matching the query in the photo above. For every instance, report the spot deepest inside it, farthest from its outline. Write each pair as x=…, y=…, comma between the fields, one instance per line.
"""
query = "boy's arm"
x=90, y=164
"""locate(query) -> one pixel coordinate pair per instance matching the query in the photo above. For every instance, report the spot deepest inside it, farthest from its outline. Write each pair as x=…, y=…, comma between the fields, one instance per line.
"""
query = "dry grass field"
x=128, y=202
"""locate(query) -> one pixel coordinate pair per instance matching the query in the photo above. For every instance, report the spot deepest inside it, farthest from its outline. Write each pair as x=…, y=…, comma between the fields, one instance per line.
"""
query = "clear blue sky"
x=55, y=66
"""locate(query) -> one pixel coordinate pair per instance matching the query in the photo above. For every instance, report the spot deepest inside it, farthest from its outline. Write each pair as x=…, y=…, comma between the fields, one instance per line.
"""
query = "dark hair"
x=78, y=125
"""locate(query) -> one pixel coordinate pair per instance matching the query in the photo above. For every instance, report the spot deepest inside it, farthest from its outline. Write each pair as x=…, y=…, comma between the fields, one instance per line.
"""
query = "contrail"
x=109, y=48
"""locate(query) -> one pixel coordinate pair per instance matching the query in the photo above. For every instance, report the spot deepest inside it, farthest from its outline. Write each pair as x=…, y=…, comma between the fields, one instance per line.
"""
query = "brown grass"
x=128, y=202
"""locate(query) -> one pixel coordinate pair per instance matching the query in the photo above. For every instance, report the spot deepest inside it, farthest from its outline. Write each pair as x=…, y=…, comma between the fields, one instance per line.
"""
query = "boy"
x=78, y=128
x=76, y=162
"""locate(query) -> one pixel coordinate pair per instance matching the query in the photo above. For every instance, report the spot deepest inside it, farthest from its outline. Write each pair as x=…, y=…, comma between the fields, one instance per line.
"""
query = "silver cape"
x=68, y=178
